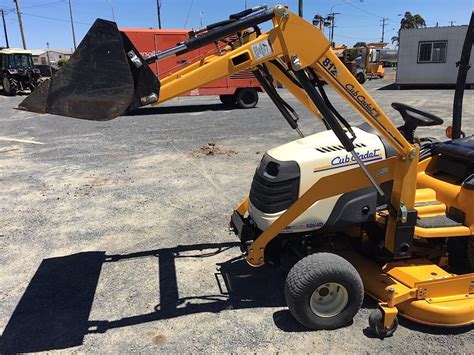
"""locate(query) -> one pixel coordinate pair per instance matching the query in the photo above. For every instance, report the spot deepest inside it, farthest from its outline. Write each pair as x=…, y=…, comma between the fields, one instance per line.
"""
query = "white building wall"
x=411, y=72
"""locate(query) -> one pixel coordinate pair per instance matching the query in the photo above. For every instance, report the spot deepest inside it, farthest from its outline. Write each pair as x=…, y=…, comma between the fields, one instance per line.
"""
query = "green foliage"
x=407, y=22
x=360, y=44
x=352, y=53
x=63, y=61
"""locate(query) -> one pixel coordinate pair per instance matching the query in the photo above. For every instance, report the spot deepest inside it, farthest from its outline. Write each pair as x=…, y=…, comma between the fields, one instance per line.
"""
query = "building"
x=428, y=56
x=41, y=56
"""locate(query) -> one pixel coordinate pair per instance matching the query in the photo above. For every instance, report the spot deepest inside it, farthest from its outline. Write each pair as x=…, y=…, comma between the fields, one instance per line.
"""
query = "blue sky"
x=48, y=20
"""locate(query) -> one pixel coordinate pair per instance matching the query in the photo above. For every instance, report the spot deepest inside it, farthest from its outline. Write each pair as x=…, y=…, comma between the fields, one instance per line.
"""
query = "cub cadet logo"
x=362, y=100
x=347, y=160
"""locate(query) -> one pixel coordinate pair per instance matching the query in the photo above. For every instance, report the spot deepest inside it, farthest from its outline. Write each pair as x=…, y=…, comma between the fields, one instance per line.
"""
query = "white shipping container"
x=428, y=56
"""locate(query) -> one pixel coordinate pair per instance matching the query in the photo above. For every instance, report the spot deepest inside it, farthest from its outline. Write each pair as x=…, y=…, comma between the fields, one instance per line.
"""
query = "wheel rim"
x=329, y=299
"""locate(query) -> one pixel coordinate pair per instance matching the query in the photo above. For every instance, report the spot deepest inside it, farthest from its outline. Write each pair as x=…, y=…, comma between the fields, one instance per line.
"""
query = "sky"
x=359, y=20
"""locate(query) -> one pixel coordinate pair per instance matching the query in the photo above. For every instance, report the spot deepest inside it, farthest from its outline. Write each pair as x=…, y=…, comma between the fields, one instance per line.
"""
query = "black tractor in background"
x=18, y=74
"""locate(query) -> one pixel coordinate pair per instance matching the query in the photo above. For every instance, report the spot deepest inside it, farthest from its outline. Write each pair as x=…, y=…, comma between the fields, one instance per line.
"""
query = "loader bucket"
x=105, y=77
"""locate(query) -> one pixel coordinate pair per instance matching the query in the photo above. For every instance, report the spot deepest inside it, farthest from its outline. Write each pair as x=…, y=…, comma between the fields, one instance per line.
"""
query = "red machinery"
x=240, y=89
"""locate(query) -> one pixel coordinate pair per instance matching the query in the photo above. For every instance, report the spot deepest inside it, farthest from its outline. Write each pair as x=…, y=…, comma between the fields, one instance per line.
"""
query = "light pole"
x=49, y=62
x=158, y=11
x=112, y=8
x=20, y=22
x=72, y=25
x=5, y=29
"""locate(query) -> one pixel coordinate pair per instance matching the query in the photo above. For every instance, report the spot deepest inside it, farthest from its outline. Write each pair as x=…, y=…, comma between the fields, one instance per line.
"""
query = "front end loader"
x=371, y=209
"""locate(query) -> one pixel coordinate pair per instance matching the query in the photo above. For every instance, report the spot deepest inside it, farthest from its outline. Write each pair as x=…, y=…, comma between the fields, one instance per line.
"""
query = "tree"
x=360, y=44
x=407, y=22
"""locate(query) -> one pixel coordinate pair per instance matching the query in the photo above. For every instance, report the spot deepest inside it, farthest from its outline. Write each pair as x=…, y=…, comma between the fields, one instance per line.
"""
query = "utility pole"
x=331, y=17
x=72, y=26
x=300, y=8
x=20, y=22
x=5, y=29
x=49, y=62
x=384, y=21
x=158, y=10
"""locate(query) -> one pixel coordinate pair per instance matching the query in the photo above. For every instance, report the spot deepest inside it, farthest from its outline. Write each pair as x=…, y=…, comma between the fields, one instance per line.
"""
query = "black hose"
x=325, y=97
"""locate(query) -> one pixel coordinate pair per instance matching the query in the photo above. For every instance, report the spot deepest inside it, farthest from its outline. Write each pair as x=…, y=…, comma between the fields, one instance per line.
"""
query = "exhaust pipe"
x=105, y=78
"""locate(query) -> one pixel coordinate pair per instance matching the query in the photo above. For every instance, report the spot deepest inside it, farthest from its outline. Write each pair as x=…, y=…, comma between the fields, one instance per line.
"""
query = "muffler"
x=106, y=77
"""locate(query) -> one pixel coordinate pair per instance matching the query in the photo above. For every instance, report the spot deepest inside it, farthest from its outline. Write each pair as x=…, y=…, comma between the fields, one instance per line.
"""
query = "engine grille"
x=275, y=193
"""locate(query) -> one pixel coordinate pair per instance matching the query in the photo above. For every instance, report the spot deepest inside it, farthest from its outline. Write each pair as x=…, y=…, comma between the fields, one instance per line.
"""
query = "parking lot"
x=114, y=234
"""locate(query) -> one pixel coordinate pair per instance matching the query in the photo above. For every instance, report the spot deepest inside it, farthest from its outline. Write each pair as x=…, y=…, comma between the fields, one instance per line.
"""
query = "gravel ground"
x=113, y=234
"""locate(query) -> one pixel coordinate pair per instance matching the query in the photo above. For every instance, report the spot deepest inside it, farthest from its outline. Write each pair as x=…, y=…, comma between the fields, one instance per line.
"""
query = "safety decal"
x=262, y=49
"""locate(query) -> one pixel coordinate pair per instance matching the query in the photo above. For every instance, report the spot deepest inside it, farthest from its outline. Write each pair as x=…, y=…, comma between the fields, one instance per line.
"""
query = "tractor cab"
x=18, y=73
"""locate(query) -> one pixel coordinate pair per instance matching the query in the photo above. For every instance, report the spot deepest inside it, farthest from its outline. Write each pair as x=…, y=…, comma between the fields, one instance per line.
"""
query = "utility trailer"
x=239, y=89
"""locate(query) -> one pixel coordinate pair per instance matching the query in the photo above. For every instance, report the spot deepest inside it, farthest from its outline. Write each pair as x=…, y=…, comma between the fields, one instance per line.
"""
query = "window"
x=432, y=52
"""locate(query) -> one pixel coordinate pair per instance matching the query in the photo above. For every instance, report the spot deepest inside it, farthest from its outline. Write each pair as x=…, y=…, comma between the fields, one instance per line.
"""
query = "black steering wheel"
x=414, y=118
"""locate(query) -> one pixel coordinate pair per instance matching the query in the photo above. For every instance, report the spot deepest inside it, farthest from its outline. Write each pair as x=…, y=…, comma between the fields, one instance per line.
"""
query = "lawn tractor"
x=371, y=209
x=18, y=72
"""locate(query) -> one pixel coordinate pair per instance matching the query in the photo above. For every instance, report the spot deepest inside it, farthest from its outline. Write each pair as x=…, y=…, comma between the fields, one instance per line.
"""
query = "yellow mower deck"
x=418, y=290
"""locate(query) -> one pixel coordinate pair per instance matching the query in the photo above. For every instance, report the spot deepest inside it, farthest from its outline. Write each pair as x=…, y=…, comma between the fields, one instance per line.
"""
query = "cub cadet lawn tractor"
x=18, y=73
x=369, y=208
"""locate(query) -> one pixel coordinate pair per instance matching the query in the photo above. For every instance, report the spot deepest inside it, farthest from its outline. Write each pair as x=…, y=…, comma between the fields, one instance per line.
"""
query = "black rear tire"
x=246, y=98
x=361, y=78
x=8, y=87
x=227, y=100
x=307, y=280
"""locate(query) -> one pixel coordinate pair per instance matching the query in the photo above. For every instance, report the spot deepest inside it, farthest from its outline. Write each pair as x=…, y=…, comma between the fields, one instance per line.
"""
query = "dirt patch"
x=212, y=149
x=157, y=339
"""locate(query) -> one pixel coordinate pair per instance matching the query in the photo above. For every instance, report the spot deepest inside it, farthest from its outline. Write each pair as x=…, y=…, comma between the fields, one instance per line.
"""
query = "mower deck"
x=418, y=290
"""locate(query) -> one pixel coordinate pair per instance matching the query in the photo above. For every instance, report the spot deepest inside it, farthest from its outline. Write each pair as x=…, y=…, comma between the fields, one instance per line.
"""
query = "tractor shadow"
x=159, y=110
x=54, y=310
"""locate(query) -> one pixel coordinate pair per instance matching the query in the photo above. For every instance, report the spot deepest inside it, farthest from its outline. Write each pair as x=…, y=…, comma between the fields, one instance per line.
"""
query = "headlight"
x=12, y=71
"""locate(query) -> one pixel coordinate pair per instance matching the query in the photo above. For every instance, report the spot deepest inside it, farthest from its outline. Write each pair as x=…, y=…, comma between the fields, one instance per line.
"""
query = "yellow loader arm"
x=294, y=52
x=291, y=52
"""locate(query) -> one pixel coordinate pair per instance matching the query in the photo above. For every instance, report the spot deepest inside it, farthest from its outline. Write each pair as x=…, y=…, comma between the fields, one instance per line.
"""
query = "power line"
x=57, y=19
x=47, y=4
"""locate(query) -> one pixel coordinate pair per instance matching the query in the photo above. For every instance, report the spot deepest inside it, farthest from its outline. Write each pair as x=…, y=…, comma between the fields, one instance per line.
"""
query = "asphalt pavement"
x=114, y=238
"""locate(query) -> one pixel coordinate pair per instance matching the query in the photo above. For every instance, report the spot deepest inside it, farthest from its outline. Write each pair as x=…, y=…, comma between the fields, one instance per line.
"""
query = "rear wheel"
x=227, y=100
x=8, y=87
x=246, y=98
x=324, y=291
x=361, y=78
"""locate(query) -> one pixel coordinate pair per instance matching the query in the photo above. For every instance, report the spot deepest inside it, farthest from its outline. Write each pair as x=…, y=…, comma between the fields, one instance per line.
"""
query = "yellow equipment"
x=416, y=194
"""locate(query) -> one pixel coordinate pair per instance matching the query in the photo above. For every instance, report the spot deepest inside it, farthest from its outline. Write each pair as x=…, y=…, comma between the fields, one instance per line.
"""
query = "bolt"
x=320, y=298
x=390, y=289
x=296, y=62
x=282, y=11
x=412, y=154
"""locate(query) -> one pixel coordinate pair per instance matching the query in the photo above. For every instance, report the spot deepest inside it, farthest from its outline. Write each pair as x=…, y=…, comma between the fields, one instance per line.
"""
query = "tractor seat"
x=460, y=149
